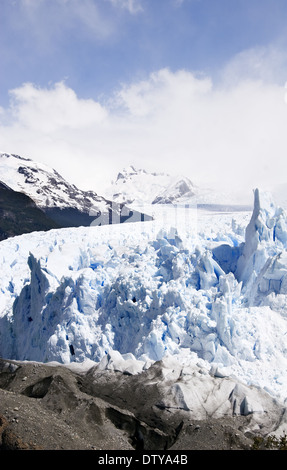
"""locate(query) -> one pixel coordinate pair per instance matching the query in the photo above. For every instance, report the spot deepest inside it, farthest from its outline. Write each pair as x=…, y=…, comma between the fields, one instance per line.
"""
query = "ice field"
x=200, y=286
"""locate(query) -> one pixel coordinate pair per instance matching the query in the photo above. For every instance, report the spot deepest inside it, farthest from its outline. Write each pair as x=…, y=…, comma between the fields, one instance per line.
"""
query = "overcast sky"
x=192, y=87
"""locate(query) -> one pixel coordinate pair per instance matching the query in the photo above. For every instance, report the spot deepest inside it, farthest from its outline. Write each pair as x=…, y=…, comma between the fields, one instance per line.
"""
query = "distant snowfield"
x=192, y=284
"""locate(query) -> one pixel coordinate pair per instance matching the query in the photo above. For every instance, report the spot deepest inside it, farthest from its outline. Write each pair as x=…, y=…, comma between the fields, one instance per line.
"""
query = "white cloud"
x=259, y=63
x=88, y=14
x=31, y=3
x=48, y=110
x=133, y=6
x=181, y=2
x=161, y=91
x=231, y=137
x=49, y=20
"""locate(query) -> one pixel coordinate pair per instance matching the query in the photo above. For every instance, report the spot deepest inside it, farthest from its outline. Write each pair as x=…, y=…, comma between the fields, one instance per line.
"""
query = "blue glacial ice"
x=219, y=295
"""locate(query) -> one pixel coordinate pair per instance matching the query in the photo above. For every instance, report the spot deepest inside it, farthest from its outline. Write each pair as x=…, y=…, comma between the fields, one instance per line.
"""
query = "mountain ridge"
x=136, y=185
x=139, y=187
x=44, y=184
x=63, y=204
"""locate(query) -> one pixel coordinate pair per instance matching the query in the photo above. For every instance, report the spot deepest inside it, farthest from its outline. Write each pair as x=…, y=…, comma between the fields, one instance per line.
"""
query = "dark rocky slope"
x=53, y=407
x=19, y=214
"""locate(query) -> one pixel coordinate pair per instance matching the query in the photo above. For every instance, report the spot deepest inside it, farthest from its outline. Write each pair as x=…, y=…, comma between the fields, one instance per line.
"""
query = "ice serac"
x=257, y=231
x=37, y=313
x=261, y=266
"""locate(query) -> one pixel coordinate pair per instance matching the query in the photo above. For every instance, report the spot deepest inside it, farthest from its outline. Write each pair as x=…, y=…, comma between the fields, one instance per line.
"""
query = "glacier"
x=129, y=295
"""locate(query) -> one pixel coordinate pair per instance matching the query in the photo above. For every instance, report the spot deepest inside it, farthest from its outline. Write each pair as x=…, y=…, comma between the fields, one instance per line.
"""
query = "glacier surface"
x=213, y=292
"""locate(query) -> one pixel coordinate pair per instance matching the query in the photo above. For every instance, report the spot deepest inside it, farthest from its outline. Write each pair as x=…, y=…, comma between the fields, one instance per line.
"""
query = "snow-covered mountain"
x=43, y=184
x=61, y=201
x=139, y=188
x=179, y=190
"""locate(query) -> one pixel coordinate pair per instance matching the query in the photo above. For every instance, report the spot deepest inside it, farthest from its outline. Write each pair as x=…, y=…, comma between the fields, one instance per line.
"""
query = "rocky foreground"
x=103, y=407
